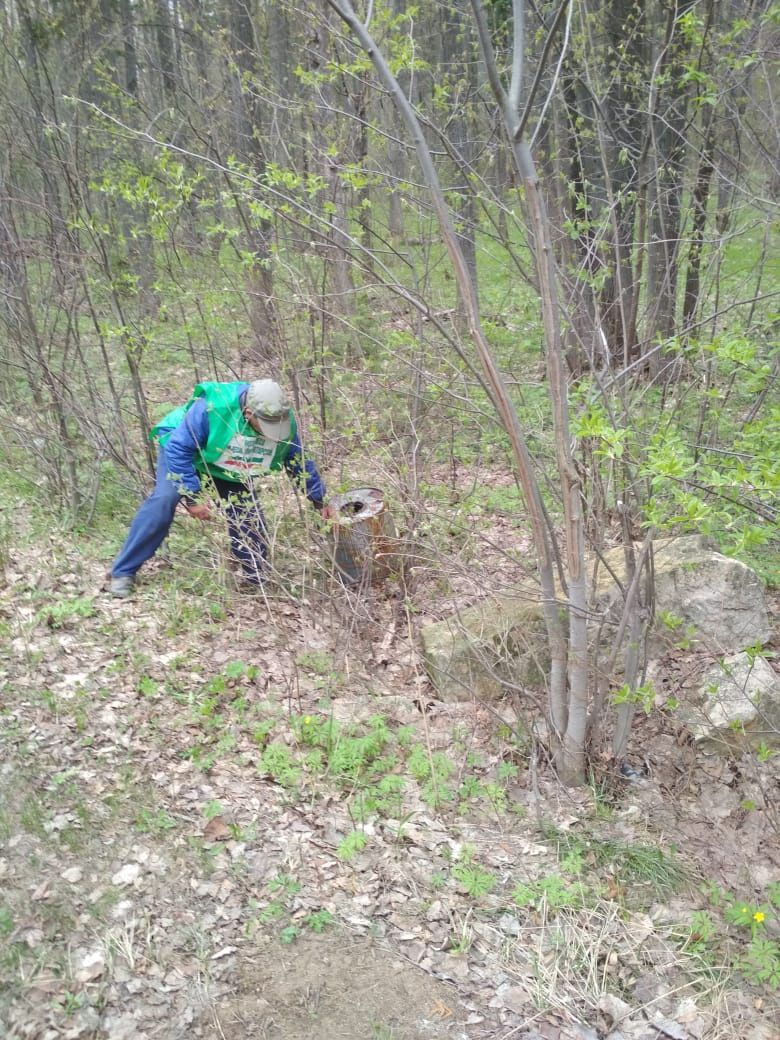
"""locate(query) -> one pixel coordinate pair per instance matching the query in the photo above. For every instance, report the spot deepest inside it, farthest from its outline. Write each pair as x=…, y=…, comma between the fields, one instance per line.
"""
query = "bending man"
x=226, y=433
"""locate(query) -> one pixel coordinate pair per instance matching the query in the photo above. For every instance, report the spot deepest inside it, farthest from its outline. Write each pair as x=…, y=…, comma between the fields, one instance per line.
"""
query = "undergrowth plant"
x=373, y=762
x=701, y=456
x=739, y=934
x=277, y=910
x=66, y=613
x=475, y=879
x=551, y=894
x=352, y=845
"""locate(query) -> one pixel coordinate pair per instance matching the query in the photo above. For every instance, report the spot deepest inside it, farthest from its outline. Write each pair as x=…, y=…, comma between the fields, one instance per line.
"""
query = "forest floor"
x=233, y=816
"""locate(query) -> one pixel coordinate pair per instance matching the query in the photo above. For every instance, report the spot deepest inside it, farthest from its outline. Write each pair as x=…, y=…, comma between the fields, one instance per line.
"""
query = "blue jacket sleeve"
x=295, y=465
x=184, y=444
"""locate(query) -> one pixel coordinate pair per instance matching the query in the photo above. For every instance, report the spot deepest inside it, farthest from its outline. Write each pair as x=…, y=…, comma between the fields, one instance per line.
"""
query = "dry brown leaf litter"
x=158, y=930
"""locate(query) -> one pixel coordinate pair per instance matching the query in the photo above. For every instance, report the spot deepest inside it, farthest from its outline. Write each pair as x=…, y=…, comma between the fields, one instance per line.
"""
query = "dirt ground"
x=339, y=985
x=158, y=883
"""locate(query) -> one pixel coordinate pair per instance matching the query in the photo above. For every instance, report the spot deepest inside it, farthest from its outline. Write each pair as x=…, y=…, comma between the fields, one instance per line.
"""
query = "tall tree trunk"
x=267, y=338
x=284, y=134
x=666, y=186
x=338, y=297
x=140, y=248
x=569, y=672
x=503, y=403
x=166, y=49
x=396, y=155
x=699, y=201
x=456, y=46
x=603, y=86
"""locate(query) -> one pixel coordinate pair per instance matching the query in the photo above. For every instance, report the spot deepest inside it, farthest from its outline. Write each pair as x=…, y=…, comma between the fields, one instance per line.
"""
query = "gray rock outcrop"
x=737, y=705
x=704, y=600
x=486, y=649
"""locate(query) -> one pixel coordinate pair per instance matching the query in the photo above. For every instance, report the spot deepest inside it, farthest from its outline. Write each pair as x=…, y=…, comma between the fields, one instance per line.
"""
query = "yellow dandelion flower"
x=307, y=720
x=758, y=916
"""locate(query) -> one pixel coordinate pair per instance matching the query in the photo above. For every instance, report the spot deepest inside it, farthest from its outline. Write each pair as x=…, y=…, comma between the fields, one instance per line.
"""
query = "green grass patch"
x=647, y=871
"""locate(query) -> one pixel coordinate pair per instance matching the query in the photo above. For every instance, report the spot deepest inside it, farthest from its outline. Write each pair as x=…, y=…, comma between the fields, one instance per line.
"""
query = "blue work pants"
x=152, y=522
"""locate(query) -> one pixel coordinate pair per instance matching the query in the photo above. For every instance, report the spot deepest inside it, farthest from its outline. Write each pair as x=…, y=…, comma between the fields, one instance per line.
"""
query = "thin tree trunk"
x=267, y=345
x=668, y=147
x=166, y=50
x=501, y=398
x=570, y=758
x=699, y=201
x=454, y=40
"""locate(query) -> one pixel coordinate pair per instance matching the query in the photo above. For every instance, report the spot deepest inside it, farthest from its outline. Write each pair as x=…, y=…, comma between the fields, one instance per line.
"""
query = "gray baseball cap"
x=270, y=406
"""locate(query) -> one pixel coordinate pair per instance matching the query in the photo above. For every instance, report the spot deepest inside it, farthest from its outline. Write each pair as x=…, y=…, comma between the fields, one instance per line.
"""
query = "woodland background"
x=542, y=234
x=518, y=264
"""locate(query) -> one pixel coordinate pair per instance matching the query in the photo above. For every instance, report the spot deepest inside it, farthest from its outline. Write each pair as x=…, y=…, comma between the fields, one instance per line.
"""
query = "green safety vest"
x=233, y=451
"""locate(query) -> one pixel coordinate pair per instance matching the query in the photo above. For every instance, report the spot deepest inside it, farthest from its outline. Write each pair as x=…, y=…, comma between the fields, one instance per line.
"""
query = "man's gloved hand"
x=198, y=510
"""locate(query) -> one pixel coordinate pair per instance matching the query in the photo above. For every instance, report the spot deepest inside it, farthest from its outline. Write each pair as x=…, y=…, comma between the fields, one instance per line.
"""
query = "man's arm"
x=305, y=473
x=183, y=446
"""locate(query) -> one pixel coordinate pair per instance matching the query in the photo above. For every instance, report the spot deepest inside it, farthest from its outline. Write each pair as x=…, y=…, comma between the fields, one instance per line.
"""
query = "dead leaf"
x=549, y=1031
x=687, y=1011
x=41, y=892
x=216, y=830
x=32, y=936
x=615, y=1008
x=122, y=1027
x=440, y=1010
x=92, y=967
x=671, y=1029
x=127, y=875
x=582, y=1032
x=46, y=985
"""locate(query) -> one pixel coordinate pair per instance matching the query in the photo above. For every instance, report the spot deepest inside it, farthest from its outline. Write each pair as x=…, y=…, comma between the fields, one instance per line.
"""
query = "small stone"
x=583, y=1032
x=687, y=1011
x=516, y=999
x=86, y=1022
x=72, y=875
x=670, y=1028
x=454, y=967
x=647, y=988
x=33, y=937
x=59, y=823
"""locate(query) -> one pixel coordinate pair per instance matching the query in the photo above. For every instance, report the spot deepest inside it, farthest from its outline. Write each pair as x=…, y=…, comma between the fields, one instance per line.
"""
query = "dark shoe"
x=122, y=586
x=251, y=586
